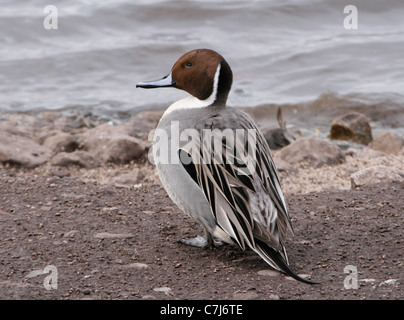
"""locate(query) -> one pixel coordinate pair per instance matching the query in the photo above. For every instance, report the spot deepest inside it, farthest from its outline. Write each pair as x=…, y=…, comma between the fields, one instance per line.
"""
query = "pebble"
x=249, y=295
x=137, y=265
x=388, y=282
x=165, y=290
x=352, y=126
x=313, y=152
x=375, y=174
x=70, y=234
x=106, y=235
x=270, y=273
x=388, y=142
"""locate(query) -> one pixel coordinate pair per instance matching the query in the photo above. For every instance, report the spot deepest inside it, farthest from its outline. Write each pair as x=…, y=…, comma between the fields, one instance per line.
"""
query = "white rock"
x=70, y=234
x=165, y=290
x=21, y=150
x=388, y=282
x=112, y=144
x=388, y=142
x=137, y=265
x=270, y=273
x=106, y=235
x=312, y=151
x=59, y=141
x=249, y=295
x=79, y=158
x=374, y=175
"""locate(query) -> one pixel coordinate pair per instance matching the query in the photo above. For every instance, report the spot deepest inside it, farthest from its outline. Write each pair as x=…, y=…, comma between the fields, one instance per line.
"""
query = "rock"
x=165, y=290
x=374, y=175
x=348, y=146
x=21, y=124
x=388, y=142
x=137, y=265
x=282, y=165
x=70, y=234
x=388, y=282
x=60, y=141
x=141, y=124
x=106, y=235
x=312, y=151
x=111, y=144
x=14, y=128
x=269, y=273
x=22, y=151
x=249, y=295
x=352, y=126
x=129, y=179
x=79, y=158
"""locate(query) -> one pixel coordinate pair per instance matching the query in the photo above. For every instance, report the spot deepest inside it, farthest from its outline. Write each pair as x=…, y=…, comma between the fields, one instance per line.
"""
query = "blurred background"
x=295, y=54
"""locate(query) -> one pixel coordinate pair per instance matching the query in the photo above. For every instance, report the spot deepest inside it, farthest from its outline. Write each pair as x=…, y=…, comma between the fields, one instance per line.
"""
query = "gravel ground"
x=114, y=242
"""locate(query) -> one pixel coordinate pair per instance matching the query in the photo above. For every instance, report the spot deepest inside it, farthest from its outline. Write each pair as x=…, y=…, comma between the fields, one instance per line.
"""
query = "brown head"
x=203, y=73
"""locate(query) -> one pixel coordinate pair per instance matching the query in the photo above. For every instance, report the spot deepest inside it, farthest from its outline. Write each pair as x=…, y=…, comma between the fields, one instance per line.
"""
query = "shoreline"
x=68, y=142
x=111, y=231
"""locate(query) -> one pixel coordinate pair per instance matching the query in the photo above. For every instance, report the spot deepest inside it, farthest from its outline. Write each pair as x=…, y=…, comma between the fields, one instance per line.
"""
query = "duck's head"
x=203, y=73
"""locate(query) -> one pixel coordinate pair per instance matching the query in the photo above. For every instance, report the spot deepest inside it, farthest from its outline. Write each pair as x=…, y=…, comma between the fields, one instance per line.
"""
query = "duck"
x=224, y=178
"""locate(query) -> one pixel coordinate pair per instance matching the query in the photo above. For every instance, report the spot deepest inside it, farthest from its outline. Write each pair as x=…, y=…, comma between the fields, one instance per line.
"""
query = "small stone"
x=249, y=295
x=129, y=179
x=22, y=151
x=60, y=141
x=388, y=142
x=106, y=235
x=86, y=291
x=353, y=126
x=270, y=273
x=70, y=234
x=314, y=152
x=112, y=144
x=137, y=265
x=283, y=166
x=165, y=290
x=80, y=158
x=388, y=282
x=374, y=175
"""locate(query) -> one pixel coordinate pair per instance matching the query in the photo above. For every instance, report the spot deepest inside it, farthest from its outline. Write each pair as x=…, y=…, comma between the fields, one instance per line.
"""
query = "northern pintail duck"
x=234, y=194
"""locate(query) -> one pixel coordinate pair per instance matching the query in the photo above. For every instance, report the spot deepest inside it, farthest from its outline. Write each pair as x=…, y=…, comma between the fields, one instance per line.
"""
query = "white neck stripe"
x=192, y=102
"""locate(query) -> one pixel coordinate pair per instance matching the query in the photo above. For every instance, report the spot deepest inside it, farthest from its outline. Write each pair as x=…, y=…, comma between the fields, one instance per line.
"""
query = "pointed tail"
x=277, y=261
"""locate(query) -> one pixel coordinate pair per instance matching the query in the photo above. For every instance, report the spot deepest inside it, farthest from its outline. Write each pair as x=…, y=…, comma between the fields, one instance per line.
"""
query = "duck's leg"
x=202, y=242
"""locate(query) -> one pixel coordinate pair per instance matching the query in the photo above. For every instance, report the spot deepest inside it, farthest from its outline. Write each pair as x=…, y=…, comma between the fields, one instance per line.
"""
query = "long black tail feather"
x=279, y=261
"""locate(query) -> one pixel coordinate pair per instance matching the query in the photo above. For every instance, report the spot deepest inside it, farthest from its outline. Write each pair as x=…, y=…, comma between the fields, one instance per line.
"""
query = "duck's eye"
x=189, y=65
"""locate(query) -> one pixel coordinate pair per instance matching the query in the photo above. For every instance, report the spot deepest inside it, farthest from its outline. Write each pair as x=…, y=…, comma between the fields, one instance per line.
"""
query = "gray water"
x=294, y=53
